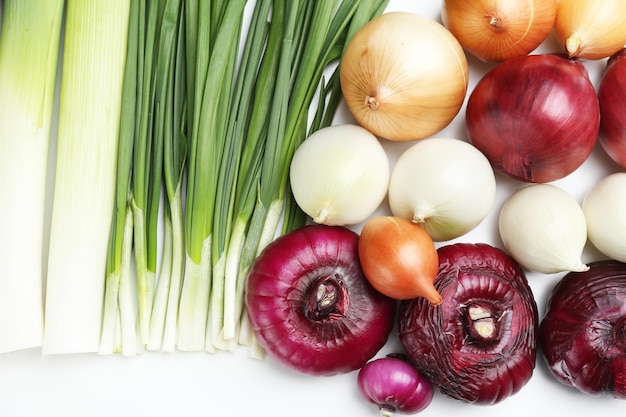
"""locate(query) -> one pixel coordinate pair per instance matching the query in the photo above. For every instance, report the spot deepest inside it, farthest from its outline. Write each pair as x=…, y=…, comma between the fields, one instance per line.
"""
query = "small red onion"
x=395, y=386
x=612, y=99
x=583, y=334
x=310, y=305
x=536, y=117
x=479, y=345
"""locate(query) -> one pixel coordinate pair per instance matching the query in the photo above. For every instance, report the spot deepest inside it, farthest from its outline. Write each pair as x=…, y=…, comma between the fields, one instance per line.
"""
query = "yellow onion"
x=404, y=76
x=496, y=30
x=591, y=29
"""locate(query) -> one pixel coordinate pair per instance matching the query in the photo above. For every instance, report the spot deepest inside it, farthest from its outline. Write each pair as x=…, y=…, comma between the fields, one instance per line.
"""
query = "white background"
x=204, y=384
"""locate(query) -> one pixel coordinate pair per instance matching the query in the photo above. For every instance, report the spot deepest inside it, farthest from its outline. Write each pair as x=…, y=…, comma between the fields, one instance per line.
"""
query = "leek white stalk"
x=339, y=175
x=29, y=47
x=89, y=117
x=604, y=207
x=445, y=185
x=544, y=229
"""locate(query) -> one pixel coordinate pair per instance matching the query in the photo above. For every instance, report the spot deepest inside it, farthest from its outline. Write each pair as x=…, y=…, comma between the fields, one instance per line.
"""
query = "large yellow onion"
x=496, y=30
x=404, y=76
x=591, y=29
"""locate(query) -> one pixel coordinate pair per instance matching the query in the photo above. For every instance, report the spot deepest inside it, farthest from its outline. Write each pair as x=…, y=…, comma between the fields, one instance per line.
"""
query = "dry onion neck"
x=372, y=102
x=327, y=299
x=480, y=323
x=495, y=22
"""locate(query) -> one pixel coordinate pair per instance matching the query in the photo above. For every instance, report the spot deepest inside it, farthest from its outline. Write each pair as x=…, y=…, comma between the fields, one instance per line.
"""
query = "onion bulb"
x=395, y=385
x=399, y=259
x=339, y=175
x=479, y=345
x=497, y=30
x=591, y=29
x=583, y=333
x=404, y=76
x=544, y=229
x=445, y=185
x=535, y=117
x=612, y=100
x=604, y=207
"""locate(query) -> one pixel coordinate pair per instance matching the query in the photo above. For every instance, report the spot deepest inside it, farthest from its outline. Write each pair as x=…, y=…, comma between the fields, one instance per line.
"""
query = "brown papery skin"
x=399, y=258
x=590, y=29
x=497, y=30
x=403, y=76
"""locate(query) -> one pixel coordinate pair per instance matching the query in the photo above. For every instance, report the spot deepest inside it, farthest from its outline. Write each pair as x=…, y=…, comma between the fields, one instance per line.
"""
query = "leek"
x=96, y=36
x=29, y=47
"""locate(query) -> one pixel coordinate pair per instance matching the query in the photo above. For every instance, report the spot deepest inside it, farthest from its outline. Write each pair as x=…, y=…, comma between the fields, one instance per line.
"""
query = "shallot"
x=395, y=385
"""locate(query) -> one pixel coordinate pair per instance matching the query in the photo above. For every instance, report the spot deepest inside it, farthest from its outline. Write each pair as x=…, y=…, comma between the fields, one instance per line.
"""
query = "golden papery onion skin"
x=591, y=29
x=497, y=30
x=412, y=68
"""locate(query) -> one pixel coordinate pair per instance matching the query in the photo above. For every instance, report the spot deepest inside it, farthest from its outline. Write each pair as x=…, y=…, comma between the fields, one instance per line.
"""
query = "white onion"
x=339, y=175
x=444, y=184
x=544, y=229
x=604, y=207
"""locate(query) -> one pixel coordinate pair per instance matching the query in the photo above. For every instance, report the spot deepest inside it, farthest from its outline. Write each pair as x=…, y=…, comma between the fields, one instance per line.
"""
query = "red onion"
x=536, y=117
x=395, y=386
x=583, y=334
x=310, y=305
x=479, y=345
x=612, y=99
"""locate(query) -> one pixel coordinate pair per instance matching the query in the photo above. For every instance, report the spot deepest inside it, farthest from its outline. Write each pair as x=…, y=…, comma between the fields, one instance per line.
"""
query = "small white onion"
x=605, y=210
x=544, y=229
x=339, y=175
x=444, y=184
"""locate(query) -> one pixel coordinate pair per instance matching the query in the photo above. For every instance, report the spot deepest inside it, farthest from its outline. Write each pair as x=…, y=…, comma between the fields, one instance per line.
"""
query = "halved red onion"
x=536, y=117
x=479, y=345
x=310, y=305
x=583, y=334
x=612, y=98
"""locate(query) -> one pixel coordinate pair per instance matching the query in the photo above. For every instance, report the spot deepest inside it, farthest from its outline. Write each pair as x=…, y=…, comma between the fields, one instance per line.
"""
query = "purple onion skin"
x=444, y=342
x=583, y=334
x=310, y=305
x=536, y=117
x=395, y=386
x=612, y=99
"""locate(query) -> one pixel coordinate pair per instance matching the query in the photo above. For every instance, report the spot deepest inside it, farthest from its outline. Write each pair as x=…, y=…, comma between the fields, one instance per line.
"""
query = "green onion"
x=320, y=36
x=29, y=46
x=96, y=36
x=213, y=78
x=169, y=124
x=240, y=111
x=147, y=167
x=119, y=305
